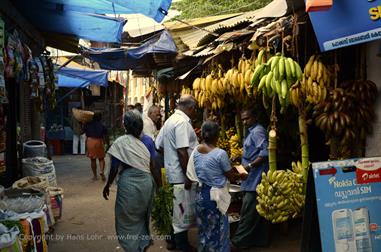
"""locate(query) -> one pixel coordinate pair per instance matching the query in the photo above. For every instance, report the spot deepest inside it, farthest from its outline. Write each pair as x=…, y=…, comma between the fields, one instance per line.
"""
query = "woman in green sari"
x=131, y=157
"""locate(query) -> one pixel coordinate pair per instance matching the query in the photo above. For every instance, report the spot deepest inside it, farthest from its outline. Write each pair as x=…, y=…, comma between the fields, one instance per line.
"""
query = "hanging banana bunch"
x=346, y=115
x=236, y=149
x=185, y=90
x=210, y=91
x=223, y=140
x=313, y=87
x=245, y=67
x=280, y=195
x=275, y=77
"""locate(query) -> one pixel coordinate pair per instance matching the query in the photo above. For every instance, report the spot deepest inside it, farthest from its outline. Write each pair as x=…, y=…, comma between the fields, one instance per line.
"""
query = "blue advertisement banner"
x=347, y=23
x=348, y=211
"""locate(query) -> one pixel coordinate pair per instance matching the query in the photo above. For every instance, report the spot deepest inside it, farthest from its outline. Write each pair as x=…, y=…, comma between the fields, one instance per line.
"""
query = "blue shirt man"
x=252, y=230
x=254, y=146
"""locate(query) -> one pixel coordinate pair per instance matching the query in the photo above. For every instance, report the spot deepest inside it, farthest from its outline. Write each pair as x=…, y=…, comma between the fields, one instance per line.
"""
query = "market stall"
x=316, y=106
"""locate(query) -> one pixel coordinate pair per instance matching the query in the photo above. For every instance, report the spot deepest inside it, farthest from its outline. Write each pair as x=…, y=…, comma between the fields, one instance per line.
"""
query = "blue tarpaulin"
x=84, y=19
x=122, y=58
x=155, y=9
x=74, y=77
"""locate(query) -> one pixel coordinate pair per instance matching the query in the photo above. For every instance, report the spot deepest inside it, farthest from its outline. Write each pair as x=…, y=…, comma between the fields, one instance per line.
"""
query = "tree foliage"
x=202, y=8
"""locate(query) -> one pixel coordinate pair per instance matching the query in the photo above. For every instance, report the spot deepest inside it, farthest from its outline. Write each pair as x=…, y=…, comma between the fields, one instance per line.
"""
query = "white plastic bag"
x=184, y=208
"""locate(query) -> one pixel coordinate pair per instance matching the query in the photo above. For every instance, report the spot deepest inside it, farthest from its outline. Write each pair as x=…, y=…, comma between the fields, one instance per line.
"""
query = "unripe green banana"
x=292, y=67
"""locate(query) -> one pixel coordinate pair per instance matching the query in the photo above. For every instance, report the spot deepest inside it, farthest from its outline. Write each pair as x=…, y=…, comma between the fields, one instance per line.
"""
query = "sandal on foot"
x=103, y=177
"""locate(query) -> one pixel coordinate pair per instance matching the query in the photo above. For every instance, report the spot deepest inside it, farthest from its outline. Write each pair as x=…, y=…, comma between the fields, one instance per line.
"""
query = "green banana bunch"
x=280, y=195
x=275, y=77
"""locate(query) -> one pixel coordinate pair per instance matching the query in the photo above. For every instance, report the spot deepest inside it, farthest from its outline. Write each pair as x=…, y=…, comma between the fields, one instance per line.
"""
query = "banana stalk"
x=238, y=126
x=272, y=137
x=304, y=145
x=272, y=150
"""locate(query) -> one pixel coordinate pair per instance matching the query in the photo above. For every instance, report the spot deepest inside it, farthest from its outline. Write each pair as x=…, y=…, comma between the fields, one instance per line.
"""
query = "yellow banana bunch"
x=317, y=71
x=315, y=81
x=297, y=167
x=185, y=90
x=245, y=67
x=210, y=91
x=276, y=77
x=235, y=147
x=280, y=195
x=224, y=139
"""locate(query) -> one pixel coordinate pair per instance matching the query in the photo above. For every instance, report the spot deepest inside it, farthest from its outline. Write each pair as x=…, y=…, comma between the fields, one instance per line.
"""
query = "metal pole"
x=71, y=91
x=126, y=92
x=67, y=62
x=198, y=28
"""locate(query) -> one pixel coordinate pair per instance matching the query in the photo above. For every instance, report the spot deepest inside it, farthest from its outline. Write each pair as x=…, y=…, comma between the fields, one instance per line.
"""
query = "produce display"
x=280, y=194
x=275, y=77
x=231, y=143
x=346, y=116
x=209, y=91
x=341, y=111
x=313, y=86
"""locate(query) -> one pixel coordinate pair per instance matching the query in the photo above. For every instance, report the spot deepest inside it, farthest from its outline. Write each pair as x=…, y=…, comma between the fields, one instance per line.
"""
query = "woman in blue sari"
x=213, y=169
x=131, y=157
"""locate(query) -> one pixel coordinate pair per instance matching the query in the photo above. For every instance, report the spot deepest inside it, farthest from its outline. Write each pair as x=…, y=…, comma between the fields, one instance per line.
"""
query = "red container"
x=56, y=146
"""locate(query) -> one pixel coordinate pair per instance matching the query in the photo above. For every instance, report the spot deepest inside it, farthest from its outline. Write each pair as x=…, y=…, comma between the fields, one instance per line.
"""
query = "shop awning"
x=50, y=18
x=155, y=9
x=86, y=19
x=74, y=77
x=123, y=59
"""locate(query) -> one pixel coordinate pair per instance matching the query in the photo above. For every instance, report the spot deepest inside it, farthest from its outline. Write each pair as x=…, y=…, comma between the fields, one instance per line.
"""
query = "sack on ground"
x=40, y=166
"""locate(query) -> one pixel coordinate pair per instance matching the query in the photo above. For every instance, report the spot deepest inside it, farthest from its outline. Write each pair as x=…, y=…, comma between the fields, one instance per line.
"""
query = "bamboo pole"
x=272, y=137
x=272, y=150
x=304, y=145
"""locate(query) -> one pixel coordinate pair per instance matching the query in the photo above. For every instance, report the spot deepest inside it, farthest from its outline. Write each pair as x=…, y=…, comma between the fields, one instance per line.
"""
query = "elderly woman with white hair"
x=131, y=158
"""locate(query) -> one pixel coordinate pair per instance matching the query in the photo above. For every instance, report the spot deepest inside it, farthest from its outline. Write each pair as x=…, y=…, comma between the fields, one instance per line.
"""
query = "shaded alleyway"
x=87, y=223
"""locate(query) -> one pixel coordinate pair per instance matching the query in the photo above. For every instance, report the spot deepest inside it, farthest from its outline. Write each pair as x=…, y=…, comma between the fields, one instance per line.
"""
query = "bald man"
x=178, y=139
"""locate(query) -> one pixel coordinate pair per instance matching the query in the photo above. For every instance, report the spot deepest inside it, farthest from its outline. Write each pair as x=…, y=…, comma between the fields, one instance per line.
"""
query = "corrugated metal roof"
x=192, y=37
x=174, y=26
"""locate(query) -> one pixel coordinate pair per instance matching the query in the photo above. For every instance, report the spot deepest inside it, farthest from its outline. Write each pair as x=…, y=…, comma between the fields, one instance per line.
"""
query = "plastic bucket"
x=34, y=148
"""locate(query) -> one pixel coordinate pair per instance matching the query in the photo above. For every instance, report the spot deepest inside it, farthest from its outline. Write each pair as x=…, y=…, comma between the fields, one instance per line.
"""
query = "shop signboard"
x=348, y=195
x=347, y=23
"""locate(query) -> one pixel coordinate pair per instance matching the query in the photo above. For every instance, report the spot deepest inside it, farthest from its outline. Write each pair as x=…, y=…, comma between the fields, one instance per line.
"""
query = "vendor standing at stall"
x=252, y=228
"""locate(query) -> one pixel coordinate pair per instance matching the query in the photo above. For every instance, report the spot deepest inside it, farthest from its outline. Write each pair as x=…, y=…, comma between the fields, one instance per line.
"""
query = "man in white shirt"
x=177, y=139
x=150, y=120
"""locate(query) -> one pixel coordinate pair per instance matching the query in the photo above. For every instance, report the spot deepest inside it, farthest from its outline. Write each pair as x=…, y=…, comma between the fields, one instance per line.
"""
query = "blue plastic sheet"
x=78, y=24
x=122, y=59
x=85, y=19
x=156, y=9
x=73, y=77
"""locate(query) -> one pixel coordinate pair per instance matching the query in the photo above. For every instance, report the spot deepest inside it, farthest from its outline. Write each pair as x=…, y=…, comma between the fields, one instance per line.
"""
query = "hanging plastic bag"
x=9, y=241
x=318, y=5
x=184, y=208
